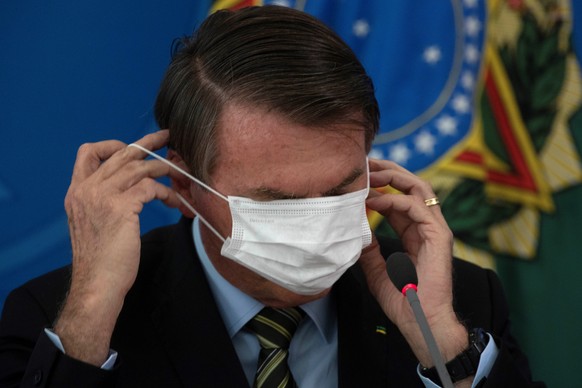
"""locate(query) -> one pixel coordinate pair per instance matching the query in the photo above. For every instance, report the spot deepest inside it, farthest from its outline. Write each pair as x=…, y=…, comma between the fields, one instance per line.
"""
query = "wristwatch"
x=466, y=363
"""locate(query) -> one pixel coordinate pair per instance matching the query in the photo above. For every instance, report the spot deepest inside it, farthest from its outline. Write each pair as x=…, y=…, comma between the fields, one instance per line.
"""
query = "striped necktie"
x=274, y=329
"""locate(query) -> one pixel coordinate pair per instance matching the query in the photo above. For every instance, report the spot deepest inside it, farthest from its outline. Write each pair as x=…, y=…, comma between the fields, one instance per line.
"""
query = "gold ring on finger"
x=431, y=201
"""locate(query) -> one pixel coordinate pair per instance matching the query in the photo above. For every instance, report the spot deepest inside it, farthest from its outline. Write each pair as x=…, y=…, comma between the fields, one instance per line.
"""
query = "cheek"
x=215, y=210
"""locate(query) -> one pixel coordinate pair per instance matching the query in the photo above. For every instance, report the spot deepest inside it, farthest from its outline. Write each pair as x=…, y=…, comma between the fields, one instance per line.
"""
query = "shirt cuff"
x=107, y=365
x=486, y=362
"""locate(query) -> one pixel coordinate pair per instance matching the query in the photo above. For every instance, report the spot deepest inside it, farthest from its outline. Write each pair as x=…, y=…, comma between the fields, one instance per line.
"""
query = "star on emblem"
x=432, y=54
x=467, y=80
x=375, y=153
x=471, y=53
x=424, y=143
x=361, y=28
x=461, y=104
x=399, y=153
x=282, y=3
x=447, y=125
x=472, y=26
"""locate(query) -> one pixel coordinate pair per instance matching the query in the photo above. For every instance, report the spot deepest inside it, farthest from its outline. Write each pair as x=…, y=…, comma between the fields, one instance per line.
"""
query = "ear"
x=180, y=183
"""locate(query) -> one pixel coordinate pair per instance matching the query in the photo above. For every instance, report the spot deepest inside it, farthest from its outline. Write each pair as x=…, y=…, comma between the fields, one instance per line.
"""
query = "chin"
x=260, y=288
x=281, y=298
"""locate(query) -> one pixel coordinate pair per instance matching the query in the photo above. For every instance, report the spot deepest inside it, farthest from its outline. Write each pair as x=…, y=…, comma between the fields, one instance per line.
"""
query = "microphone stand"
x=410, y=292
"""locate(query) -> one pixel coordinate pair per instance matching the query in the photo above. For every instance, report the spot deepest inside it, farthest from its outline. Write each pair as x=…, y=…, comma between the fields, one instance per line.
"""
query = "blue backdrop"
x=76, y=72
x=81, y=72
x=70, y=73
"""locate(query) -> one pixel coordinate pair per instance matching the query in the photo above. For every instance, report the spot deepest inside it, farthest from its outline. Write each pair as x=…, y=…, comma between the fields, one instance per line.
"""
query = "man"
x=270, y=119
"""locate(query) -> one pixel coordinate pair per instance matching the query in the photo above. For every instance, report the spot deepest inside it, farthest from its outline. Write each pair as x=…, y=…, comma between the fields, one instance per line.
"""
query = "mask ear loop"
x=182, y=199
x=150, y=153
x=367, y=174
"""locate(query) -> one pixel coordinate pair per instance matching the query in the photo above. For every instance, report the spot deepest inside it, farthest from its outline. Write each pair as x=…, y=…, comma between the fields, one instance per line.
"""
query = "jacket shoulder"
x=49, y=290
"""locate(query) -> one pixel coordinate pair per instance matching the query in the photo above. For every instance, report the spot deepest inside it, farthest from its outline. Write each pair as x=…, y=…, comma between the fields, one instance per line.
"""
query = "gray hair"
x=276, y=58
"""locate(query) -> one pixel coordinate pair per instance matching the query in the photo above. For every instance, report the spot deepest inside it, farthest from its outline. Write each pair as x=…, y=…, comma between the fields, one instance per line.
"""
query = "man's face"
x=263, y=156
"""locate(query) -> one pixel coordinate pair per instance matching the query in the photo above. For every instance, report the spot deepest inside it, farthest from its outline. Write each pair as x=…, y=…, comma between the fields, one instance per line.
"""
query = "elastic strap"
x=150, y=153
x=182, y=199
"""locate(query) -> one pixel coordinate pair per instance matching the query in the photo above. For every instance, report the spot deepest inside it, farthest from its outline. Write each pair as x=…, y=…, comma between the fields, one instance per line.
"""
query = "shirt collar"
x=237, y=308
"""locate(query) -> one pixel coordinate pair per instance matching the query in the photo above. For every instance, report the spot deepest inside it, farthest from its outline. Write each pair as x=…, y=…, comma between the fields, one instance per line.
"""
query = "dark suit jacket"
x=170, y=333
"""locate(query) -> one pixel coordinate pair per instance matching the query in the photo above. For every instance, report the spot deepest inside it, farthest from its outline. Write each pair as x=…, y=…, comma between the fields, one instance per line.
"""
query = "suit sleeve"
x=28, y=358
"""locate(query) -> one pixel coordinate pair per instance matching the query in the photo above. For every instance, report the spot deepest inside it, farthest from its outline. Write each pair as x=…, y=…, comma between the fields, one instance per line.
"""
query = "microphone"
x=403, y=274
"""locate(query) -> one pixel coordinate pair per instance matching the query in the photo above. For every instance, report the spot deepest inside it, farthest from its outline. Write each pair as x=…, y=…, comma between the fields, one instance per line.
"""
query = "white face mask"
x=303, y=245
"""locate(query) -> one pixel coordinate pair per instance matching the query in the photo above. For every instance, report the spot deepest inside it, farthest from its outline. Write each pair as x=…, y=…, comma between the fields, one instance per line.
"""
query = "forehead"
x=265, y=148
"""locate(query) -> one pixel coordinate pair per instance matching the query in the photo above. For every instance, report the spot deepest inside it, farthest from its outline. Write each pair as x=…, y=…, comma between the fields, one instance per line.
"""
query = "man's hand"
x=109, y=187
x=428, y=241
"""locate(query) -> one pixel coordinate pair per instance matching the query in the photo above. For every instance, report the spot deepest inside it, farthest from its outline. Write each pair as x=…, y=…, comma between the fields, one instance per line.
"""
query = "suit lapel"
x=188, y=322
x=186, y=319
x=362, y=326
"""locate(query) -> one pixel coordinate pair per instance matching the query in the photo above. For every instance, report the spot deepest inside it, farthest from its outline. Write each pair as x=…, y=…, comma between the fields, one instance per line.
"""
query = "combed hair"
x=276, y=58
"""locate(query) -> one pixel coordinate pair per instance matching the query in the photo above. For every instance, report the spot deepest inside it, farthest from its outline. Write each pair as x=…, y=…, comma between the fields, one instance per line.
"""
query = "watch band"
x=466, y=363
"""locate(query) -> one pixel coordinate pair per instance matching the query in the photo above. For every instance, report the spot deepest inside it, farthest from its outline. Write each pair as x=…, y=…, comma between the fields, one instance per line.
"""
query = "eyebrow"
x=275, y=194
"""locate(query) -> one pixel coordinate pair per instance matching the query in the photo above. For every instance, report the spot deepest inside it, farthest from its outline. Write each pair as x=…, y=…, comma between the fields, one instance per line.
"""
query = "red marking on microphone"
x=408, y=287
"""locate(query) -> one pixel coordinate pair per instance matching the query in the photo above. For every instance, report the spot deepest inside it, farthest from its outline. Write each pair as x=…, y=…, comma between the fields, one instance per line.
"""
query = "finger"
x=402, y=181
x=168, y=196
x=414, y=208
x=374, y=193
x=148, y=190
x=373, y=266
x=380, y=164
x=91, y=155
x=152, y=142
x=386, y=172
x=135, y=171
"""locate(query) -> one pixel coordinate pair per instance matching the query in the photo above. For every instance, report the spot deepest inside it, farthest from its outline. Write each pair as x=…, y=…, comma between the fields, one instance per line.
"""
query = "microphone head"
x=401, y=270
